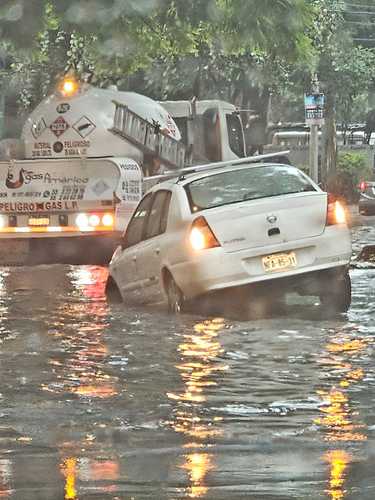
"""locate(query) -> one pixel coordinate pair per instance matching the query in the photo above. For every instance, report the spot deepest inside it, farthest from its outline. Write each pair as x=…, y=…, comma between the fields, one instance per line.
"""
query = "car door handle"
x=134, y=258
x=157, y=251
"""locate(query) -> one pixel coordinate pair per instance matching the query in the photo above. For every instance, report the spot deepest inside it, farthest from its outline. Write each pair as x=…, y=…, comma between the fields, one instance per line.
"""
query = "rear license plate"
x=38, y=221
x=279, y=261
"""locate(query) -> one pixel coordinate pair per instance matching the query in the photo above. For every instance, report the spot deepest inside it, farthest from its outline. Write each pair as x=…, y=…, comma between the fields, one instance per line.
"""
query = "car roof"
x=186, y=177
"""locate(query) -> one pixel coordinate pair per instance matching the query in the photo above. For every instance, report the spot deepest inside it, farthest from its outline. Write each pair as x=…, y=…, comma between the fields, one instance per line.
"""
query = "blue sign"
x=314, y=108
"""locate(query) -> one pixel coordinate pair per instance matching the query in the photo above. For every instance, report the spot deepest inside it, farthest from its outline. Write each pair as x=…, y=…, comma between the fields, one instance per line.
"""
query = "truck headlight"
x=82, y=220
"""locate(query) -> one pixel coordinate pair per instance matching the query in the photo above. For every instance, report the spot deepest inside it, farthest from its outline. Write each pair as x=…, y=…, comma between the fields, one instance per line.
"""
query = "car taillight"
x=363, y=186
x=201, y=236
x=335, y=211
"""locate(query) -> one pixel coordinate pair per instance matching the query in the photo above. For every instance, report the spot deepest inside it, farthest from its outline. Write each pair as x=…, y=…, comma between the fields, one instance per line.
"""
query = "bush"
x=351, y=169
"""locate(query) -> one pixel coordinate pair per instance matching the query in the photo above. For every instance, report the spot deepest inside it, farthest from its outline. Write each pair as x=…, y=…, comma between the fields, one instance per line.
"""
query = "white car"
x=233, y=229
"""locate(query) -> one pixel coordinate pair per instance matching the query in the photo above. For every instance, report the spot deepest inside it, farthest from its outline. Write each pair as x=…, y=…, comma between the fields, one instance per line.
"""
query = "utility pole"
x=314, y=106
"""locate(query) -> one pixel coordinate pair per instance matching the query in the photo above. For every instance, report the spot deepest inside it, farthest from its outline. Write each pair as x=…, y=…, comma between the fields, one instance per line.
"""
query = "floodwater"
x=100, y=401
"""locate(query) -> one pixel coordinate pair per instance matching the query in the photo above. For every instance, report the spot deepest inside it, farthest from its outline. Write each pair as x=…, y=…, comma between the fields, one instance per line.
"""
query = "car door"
x=152, y=249
x=125, y=268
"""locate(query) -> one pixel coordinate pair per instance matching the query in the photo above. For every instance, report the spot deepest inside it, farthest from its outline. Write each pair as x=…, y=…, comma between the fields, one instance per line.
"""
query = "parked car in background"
x=366, y=203
x=233, y=230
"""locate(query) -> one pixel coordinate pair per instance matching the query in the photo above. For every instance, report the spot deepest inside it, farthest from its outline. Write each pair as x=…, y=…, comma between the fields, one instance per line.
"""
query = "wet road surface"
x=100, y=401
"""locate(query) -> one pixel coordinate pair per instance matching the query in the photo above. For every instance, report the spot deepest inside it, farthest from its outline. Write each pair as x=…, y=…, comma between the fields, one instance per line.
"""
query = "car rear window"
x=246, y=184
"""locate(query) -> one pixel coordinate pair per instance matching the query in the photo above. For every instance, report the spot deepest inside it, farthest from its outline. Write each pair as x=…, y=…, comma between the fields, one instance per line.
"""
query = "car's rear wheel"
x=175, y=297
x=112, y=291
x=337, y=295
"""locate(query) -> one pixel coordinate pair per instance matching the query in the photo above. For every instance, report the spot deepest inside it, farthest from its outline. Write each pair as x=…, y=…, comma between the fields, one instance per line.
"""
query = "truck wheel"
x=338, y=295
x=175, y=296
x=112, y=292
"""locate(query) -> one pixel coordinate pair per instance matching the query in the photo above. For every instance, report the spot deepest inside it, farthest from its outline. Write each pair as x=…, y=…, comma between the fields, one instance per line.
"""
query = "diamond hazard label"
x=100, y=187
x=59, y=126
x=84, y=126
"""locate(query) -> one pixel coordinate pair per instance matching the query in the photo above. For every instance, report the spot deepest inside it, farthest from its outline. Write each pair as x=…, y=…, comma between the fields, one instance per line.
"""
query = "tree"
x=344, y=71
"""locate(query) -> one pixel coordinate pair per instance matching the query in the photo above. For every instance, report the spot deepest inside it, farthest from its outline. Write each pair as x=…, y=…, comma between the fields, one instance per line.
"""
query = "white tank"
x=78, y=126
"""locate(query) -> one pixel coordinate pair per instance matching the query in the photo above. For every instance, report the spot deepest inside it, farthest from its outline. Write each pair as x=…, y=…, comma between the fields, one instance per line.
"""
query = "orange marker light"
x=68, y=87
x=108, y=220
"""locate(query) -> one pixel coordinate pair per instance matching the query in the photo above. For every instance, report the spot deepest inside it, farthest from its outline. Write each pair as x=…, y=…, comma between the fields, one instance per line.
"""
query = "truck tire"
x=175, y=297
x=112, y=291
x=338, y=295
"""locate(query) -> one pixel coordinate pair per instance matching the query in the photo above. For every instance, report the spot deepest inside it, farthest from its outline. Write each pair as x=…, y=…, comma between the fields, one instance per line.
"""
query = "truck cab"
x=210, y=129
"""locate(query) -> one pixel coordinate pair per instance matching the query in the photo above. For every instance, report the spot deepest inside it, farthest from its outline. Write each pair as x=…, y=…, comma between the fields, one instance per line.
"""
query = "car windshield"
x=246, y=184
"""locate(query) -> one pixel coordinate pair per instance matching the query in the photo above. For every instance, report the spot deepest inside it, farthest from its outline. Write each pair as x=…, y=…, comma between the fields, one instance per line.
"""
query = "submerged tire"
x=338, y=295
x=112, y=291
x=175, y=297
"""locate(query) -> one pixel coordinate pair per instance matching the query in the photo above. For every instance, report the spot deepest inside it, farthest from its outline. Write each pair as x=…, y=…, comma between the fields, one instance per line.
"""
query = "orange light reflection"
x=338, y=417
x=199, y=368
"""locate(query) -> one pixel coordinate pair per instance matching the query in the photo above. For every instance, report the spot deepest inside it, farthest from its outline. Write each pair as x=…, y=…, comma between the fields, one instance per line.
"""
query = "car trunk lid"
x=268, y=221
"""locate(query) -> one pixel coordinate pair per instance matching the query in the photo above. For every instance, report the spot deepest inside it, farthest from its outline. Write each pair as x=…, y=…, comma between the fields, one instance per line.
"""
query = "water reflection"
x=339, y=421
x=69, y=470
x=5, y=478
x=80, y=327
x=200, y=368
x=338, y=461
x=99, y=473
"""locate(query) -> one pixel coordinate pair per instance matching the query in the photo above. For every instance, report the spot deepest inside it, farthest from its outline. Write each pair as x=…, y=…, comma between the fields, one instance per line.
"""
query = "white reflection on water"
x=200, y=365
x=80, y=327
x=5, y=478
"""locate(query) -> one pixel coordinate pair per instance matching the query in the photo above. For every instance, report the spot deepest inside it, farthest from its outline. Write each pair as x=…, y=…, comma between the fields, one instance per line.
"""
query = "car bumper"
x=214, y=270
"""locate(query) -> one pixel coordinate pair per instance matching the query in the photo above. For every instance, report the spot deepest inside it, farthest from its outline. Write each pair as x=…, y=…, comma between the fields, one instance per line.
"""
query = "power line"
x=362, y=23
x=359, y=6
x=362, y=12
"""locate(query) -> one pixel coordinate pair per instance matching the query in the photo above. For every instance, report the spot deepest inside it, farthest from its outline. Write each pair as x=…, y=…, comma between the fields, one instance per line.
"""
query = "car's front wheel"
x=337, y=295
x=175, y=297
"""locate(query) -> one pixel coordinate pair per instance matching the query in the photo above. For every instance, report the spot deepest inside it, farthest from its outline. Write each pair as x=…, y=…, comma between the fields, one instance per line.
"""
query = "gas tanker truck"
x=69, y=186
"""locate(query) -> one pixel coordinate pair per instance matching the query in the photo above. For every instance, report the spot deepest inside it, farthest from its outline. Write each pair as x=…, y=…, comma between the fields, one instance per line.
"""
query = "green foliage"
x=225, y=45
x=352, y=168
x=20, y=21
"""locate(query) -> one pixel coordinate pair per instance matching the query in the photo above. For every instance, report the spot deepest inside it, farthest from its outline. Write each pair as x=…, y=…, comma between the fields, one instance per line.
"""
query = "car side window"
x=165, y=212
x=157, y=219
x=134, y=231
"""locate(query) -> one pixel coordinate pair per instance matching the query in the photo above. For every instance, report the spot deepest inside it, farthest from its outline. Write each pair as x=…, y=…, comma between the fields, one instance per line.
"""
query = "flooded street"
x=100, y=401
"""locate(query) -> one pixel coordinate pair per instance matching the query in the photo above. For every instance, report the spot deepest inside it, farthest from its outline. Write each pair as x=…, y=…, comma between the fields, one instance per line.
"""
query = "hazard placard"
x=59, y=126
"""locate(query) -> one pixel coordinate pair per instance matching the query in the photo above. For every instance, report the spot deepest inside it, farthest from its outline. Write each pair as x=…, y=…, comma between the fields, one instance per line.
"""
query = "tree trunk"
x=329, y=143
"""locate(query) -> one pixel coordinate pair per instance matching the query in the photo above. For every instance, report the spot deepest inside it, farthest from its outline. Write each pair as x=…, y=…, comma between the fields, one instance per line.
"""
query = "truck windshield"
x=246, y=184
x=235, y=135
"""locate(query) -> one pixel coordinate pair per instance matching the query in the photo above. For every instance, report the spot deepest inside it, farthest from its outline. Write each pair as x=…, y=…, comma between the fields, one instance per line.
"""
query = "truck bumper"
x=87, y=249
